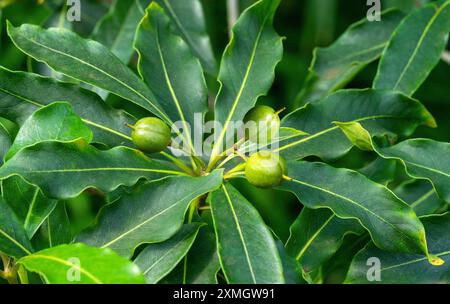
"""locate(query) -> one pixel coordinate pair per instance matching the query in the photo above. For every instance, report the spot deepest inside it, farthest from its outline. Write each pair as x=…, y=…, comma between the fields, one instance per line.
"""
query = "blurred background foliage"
x=306, y=24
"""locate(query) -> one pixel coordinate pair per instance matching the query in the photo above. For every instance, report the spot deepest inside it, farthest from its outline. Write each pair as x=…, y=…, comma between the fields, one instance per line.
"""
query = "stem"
x=192, y=207
x=233, y=12
x=233, y=175
x=223, y=163
x=280, y=110
x=178, y=163
x=238, y=168
x=287, y=178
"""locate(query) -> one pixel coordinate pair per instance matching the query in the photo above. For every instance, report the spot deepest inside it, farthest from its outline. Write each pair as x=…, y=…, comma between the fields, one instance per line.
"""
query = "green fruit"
x=265, y=169
x=151, y=135
x=266, y=121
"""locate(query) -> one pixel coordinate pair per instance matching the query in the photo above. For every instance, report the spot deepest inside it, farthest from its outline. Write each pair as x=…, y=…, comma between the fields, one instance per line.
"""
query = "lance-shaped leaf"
x=157, y=260
x=414, y=49
x=55, y=122
x=56, y=228
x=247, y=250
x=27, y=202
x=85, y=60
x=424, y=159
x=77, y=166
x=13, y=237
x=398, y=268
x=189, y=21
x=200, y=265
x=117, y=28
x=171, y=71
x=334, y=66
x=248, y=64
x=380, y=112
x=292, y=270
x=21, y=94
x=392, y=224
x=316, y=235
x=151, y=214
x=421, y=196
x=81, y=264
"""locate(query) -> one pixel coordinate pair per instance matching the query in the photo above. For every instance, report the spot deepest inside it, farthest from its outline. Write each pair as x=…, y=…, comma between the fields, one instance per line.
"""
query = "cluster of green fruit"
x=263, y=169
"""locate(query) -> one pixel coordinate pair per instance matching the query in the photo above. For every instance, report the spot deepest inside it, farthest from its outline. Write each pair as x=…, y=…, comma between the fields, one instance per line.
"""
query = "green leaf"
x=316, y=235
x=393, y=225
x=169, y=68
x=424, y=159
x=5, y=141
x=21, y=94
x=55, y=122
x=380, y=170
x=85, y=60
x=77, y=166
x=379, y=112
x=247, y=251
x=56, y=229
x=292, y=270
x=399, y=268
x=189, y=21
x=27, y=202
x=414, y=49
x=334, y=66
x=117, y=28
x=13, y=237
x=247, y=67
x=157, y=260
x=80, y=264
x=151, y=214
x=201, y=264
x=421, y=196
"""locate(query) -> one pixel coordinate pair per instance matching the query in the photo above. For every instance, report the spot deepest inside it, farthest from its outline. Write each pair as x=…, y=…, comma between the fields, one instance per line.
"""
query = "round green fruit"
x=267, y=123
x=151, y=135
x=265, y=169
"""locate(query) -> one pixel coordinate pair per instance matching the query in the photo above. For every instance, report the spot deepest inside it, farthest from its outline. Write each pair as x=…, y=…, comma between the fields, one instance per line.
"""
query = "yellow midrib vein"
x=419, y=44
x=65, y=263
x=241, y=235
x=120, y=82
x=354, y=203
x=14, y=241
x=414, y=261
x=313, y=238
x=241, y=90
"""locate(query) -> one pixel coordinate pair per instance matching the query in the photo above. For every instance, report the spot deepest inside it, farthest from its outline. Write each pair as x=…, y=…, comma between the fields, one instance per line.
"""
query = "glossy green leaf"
x=398, y=268
x=421, y=196
x=5, y=140
x=292, y=270
x=201, y=264
x=380, y=170
x=393, y=225
x=169, y=68
x=151, y=214
x=379, y=112
x=81, y=264
x=55, y=122
x=316, y=235
x=117, y=28
x=27, y=202
x=21, y=94
x=157, y=260
x=13, y=237
x=189, y=21
x=414, y=49
x=248, y=64
x=424, y=159
x=247, y=250
x=77, y=166
x=56, y=229
x=85, y=60
x=334, y=66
